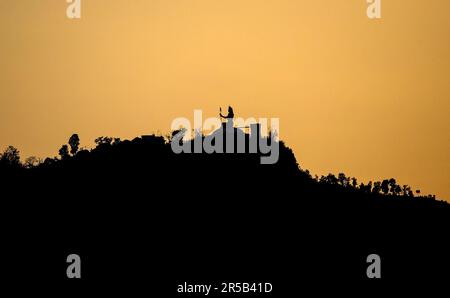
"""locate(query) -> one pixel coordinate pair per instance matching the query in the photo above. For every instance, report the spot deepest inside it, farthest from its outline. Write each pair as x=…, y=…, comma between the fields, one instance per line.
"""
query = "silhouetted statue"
x=228, y=126
x=230, y=114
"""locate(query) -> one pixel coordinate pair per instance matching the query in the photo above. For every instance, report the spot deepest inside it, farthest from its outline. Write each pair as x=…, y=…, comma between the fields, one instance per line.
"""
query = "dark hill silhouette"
x=137, y=214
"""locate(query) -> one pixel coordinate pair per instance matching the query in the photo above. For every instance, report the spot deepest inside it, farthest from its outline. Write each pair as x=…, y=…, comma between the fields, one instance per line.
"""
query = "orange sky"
x=370, y=98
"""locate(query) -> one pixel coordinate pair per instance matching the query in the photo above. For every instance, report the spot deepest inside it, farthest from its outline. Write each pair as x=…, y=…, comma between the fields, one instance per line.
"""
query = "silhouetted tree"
x=32, y=162
x=392, y=185
x=354, y=182
x=397, y=190
x=376, y=187
x=332, y=179
x=385, y=186
x=343, y=180
x=362, y=187
x=64, y=152
x=308, y=174
x=406, y=191
x=103, y=140
x=329, y=179
x=10, y=157
x=74, y=143
x=49, y=161
x=366, y=188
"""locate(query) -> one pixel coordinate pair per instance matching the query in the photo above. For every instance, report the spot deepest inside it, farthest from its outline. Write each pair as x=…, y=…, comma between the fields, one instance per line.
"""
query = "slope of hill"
x=139, y=214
